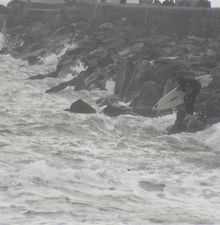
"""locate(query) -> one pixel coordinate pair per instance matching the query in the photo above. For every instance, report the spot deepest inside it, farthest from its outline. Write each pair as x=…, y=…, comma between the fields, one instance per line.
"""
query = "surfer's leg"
x=189, y=106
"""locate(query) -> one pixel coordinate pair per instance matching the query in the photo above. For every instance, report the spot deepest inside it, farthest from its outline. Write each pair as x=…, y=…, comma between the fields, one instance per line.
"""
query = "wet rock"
x=125, y=73
x=4, y=51
x=109, y=100
x=40, y=76
x=117, y=110
x=213, y=107
x=195, y=124
x=131, y=77
x=3, y=9
x=147, y=95
x=144, y=111
x=37, y=33
x=61, y=86
x=69, y=59
x=81, y=107
x=33, y=59
x=207, y=62
x=94, y=78
x=95, y=56
x=212, y=120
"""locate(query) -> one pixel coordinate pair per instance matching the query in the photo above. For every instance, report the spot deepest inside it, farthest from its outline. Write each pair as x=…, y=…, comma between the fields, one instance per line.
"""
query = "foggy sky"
x=215, y=3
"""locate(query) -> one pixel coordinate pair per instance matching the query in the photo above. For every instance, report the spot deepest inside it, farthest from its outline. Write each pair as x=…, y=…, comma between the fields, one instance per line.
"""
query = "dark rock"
x=69, y=59
x=37, y=33
x=110, y=100
x=144, y=111
x=195, y=124
x=4, y=51
x=40, y=77
x=213, y=107
x=33, y=59
x=125, y=73
x=95, y=56
x=61, y=86
x=3, y=9
x=212, y=120
x=207, y=62
x=95, y=78
x=116, y=110
x=147, y=95
x=81, y=107
x=131, y=77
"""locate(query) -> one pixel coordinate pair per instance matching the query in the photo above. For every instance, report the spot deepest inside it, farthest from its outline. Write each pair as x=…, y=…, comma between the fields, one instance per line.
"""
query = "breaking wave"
x=62, y=168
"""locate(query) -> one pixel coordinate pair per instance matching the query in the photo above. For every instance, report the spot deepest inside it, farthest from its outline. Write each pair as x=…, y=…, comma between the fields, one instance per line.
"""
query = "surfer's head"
x=173, y=72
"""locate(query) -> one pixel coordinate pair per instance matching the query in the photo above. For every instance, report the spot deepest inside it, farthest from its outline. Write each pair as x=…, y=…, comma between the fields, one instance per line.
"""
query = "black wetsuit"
x=192, y=88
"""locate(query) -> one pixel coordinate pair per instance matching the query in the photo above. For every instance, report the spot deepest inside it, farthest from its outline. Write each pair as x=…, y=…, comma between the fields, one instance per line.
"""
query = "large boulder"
x=145, y=98
x=147, y=95
x=116, y=110
x=81, y=107
x=125, y=73
x=3, y=10
x=131, y=77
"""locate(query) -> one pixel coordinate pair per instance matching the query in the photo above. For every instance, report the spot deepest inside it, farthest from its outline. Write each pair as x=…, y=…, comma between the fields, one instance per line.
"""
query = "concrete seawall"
x=161, y=20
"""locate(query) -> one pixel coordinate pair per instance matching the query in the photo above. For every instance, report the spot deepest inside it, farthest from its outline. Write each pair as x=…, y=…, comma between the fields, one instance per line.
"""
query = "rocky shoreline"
x=138, y=61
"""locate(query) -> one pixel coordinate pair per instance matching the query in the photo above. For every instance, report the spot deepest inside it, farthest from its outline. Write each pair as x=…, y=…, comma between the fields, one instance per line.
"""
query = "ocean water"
x=58, y=168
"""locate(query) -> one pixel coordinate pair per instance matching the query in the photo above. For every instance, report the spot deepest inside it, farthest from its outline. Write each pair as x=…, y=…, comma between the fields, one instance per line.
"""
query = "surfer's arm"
x=181, y=84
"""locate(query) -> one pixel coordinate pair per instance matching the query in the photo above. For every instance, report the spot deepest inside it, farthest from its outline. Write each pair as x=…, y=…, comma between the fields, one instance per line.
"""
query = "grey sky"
x=215, y=3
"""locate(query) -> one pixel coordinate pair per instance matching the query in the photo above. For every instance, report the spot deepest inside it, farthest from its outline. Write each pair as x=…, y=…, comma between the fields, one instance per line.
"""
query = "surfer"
x=191, y=87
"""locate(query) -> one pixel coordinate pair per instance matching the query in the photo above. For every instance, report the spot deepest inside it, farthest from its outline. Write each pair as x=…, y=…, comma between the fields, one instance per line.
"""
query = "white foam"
x=87, y=169
x=51, y=60
x=79, y=67
x=4, y=2
x=110, y=86
x=213, y=139
x=67, y=46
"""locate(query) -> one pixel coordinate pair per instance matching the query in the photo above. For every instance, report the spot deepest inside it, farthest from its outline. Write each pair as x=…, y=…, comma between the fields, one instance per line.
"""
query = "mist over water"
x=72, y=169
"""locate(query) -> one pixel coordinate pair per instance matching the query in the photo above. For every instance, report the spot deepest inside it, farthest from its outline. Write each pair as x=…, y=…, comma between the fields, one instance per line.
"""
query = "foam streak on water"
x=61, y=168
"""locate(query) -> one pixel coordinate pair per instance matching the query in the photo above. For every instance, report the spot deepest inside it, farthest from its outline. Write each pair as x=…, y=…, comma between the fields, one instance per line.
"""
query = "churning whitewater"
x=72, y=169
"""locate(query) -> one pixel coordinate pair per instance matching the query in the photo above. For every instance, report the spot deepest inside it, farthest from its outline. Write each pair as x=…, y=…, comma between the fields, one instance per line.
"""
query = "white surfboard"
x=176, y=97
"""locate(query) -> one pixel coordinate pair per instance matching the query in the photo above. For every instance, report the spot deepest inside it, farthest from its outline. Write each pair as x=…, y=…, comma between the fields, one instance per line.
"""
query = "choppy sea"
x=58, y=168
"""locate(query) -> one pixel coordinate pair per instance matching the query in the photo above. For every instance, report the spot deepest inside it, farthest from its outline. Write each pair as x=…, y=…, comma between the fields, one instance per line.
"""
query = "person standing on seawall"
x=168, y=3
x=191, y=87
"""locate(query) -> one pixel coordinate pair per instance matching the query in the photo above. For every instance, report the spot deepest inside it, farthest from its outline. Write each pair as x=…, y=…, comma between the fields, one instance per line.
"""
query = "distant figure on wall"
x=168, y=3
x=184, y=3
x=203, y=4
x=156, y=2
x=123, y=2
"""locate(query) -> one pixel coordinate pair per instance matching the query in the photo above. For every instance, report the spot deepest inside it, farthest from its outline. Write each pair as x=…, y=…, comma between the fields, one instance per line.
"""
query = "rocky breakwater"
x=138, y=60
